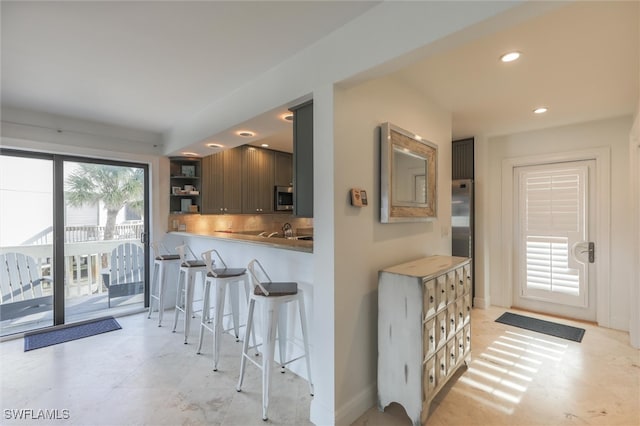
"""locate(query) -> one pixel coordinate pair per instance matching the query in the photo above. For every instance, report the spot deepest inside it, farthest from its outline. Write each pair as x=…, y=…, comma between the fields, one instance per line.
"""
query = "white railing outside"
x=78, y=255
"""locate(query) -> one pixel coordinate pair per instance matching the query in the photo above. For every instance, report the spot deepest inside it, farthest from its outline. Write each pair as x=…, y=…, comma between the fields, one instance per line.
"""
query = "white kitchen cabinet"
x=424, y=330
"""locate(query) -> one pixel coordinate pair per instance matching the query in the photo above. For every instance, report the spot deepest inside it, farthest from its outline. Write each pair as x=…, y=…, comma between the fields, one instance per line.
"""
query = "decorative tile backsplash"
x=206, y=224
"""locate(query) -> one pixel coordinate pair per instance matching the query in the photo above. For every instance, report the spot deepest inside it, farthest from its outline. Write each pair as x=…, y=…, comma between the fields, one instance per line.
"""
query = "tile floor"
x=143, y=374
x=518, y=377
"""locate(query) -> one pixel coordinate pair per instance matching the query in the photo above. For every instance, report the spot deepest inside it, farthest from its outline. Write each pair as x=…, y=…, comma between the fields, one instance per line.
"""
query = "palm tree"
x=114, y=186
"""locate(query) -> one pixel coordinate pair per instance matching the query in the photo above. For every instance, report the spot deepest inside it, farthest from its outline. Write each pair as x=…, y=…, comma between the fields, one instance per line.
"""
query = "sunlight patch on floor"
x=501, y=376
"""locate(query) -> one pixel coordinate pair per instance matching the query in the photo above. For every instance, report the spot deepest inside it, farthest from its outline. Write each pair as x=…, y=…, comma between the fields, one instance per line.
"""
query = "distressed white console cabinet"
x=424, y=330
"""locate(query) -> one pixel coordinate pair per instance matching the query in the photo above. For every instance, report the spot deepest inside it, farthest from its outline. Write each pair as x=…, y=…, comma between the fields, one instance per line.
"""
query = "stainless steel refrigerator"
x=462, y=219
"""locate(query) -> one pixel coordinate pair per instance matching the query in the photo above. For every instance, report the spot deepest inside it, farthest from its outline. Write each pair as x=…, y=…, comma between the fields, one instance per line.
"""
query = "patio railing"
x=81, y=233
x=83, y=263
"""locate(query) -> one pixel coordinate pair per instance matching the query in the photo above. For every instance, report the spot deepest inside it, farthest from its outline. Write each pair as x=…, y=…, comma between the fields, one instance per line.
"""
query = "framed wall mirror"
x=407, y=176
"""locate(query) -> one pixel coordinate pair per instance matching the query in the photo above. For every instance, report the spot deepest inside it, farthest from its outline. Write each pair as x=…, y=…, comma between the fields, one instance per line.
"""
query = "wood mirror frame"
x=407, y=194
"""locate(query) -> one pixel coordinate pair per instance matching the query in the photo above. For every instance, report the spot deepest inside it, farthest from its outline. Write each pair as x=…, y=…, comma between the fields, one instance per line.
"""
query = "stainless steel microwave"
x=283, y=198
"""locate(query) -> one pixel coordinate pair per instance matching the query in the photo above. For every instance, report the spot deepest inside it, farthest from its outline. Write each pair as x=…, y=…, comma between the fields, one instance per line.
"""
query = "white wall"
x=612, y=134
x=386, y=38
x=50, y=133
x=363, y=245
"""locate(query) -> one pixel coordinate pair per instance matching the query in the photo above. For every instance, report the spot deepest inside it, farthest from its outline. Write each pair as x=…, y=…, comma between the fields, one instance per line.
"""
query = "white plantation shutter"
x=552, y=215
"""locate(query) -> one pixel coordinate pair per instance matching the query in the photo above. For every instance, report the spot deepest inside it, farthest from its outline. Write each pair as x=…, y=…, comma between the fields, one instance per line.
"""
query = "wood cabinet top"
x=427, y=266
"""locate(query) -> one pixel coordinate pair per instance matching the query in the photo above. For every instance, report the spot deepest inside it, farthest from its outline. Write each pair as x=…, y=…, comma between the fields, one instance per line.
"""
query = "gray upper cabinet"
x=303, y=159
x=283, y=175
x=222, y=182
x=242, y=180
x=257, y=179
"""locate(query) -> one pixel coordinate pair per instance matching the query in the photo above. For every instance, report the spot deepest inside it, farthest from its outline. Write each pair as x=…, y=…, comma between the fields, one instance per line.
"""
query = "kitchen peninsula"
x=236, y=238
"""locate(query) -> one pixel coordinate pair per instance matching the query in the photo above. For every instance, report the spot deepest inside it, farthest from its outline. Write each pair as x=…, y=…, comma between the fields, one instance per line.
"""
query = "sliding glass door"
x=26, y=243
x=104, y=228
x=78, y=226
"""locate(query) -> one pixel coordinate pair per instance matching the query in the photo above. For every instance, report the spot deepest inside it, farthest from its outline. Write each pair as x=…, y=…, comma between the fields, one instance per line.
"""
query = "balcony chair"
x=125, y=276
x=21, y=287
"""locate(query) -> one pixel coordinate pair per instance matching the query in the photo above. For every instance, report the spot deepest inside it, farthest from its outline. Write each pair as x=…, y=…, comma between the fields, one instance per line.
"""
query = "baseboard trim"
x=356, y=406
x=480, y=303
x=321, y=414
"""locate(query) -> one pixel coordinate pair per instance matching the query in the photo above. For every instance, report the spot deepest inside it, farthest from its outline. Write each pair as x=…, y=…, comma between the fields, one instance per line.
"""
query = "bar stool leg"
x=245, y=344
x=270, y=315
x=206, y=303
x=234, y=300
x=247, y=333
x=220, y=289
x=154, y=284
x=179, y=298
x=282, y=337
x=305, y=338
x=161, y=291
x=188, y=304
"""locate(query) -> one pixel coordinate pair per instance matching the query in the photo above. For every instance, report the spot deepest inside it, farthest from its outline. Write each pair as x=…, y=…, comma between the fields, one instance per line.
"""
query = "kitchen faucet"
x=287, y=230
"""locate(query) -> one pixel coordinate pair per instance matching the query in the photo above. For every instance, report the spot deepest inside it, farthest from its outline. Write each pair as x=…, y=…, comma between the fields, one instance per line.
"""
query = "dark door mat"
x=545, y=327
x=41, y=338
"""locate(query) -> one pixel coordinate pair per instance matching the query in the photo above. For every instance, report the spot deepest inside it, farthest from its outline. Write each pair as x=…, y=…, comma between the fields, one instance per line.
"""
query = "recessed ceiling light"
x=245, y=133
x=288, y=117
x=190, y=154
x=510, y=56
x=540, y=110
x=215, y=145
x=265, y=145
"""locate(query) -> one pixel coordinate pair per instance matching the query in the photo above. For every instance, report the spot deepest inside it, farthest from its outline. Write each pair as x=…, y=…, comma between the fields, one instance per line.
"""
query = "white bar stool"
x=272, y=295
x=161, y=262
x=186, y=283
x=221, y=278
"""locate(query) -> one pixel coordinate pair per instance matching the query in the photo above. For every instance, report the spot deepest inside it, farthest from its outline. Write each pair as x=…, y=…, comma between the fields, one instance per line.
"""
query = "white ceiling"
x=151, y=65
x=580, y=61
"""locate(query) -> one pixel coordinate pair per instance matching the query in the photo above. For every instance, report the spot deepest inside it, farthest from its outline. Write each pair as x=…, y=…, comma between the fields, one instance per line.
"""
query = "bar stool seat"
x=220, y=279
x=272, y=295
x=157, y=292
x=185, y=290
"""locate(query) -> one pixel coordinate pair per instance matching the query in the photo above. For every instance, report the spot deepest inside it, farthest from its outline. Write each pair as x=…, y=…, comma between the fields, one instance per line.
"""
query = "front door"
x=554, y=217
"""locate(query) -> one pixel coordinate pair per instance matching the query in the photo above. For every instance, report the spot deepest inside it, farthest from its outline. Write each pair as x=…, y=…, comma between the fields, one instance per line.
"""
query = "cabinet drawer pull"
x=430, y=378
x=430, y=299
